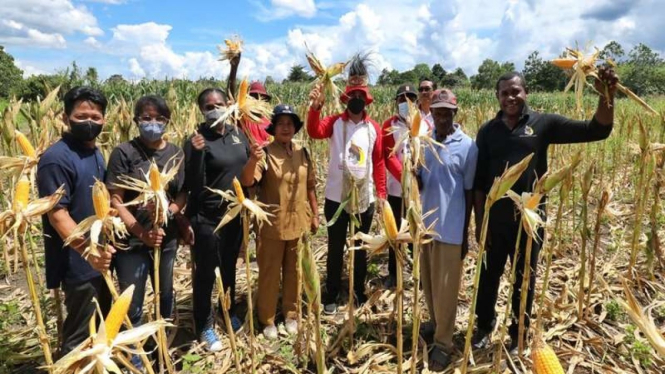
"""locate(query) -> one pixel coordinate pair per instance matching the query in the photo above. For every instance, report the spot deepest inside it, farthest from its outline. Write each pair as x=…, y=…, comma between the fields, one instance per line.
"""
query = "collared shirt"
x=283, y=182
x=500, y=147
x=362, y=150
x=444, y=183
x=222, y=159
x=393, y=130
x=70, y=164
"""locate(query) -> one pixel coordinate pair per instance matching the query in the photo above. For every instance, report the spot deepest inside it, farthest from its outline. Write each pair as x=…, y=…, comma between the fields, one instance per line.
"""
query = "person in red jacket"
x=356, y=158
x=258, y=129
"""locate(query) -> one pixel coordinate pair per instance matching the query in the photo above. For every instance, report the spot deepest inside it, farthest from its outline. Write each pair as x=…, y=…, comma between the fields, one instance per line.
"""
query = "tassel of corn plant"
x=604, y=200
x=499, y=188
x=313, y=292
x=584, y=229
x=224, y=299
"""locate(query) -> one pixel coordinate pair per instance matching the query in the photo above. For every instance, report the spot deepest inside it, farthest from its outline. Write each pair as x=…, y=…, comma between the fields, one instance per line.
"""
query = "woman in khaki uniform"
x=285, y=179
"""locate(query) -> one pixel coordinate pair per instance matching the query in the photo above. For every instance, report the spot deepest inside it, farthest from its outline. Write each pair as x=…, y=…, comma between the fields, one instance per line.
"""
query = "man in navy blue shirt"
x=75, y=162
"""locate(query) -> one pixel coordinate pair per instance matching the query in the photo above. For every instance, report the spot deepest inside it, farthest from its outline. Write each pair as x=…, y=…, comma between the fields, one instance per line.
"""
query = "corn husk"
x=232, y=47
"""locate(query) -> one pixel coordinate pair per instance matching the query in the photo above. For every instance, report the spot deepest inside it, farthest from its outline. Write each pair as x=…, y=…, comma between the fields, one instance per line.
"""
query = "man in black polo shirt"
x=75, y=163
x=514, y=133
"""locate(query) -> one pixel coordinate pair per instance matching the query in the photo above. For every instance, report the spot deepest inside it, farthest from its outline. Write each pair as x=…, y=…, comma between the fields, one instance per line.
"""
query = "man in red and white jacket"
x=355, y=146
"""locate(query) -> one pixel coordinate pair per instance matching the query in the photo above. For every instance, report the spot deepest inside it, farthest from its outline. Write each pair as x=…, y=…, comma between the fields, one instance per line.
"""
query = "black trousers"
x=212, y=250
x=337, y=234
x=80, y=308
x=502, y=237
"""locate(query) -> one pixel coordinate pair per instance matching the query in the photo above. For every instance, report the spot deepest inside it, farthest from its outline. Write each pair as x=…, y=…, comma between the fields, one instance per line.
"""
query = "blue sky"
x=154, y=39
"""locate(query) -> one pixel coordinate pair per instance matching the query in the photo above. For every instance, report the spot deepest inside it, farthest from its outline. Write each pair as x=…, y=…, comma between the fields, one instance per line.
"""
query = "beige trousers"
x=441, y=267
x=277, y=260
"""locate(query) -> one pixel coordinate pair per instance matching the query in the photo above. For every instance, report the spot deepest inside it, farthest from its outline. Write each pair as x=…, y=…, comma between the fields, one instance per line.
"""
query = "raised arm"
x=250, y=172
x=231, y=82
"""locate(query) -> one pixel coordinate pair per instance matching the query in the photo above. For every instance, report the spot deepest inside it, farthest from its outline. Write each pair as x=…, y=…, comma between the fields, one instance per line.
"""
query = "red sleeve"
x=318, y=128
x=392, y=162
x=379, y=164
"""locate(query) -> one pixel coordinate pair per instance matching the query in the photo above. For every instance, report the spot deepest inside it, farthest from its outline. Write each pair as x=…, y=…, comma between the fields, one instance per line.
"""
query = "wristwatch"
x=169, y=214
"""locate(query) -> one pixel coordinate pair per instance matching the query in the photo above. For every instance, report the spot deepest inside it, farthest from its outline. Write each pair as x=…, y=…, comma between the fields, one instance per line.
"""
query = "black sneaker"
x=481, y=339
x=514, y=348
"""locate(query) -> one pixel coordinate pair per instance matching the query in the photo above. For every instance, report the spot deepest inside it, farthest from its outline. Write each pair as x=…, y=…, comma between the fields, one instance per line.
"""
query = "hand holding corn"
x=256, y=151
x=152, y=238
x=607, y=82
x=316, y=98
x=102, y=262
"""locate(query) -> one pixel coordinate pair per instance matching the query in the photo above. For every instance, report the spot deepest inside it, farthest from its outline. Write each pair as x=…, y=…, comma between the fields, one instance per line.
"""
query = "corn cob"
x=336, y=69
x=242, y=93
x=100, y=200
x=545, y=360
x=25, y=145
x=238, y=189
x=117, y=314
x=155, y=178
x=564, y=63
x=415, y=124
x=21, y=194
x=389, y=221
x=506, y=181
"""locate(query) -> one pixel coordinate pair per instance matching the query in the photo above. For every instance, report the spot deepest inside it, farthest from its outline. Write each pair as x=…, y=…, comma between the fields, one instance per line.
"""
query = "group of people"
x=363, y=155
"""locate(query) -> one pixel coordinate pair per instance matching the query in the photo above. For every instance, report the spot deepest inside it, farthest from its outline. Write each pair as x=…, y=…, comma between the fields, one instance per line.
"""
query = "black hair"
x=155, y=101
x=509, y=76
x=204, y=95
x=84, y=93
x=428, y=79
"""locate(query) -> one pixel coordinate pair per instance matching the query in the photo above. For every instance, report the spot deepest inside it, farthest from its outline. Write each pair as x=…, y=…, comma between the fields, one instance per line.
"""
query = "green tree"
x=489, y=72
x=541, y=75
x=455, y=79
x=644, y=71
x=269, y=80
x=298, y=74
x=613, y=51
x=422, y=71
x=116, y=79
x=91, y=76
x=11, y=76
x=438, y=72
x=388, y=77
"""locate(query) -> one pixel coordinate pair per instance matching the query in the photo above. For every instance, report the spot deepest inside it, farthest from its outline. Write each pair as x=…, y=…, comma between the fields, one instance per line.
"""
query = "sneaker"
x=211, y=340
x=330, y=308
x=481, y=339
x=236, y=323
x=270, y=332
x=390, y=282
x=291, y=326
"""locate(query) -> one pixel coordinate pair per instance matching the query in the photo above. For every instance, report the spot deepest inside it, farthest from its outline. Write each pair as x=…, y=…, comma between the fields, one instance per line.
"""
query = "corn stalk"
x=225, y=301
x=604, y=199
x=584, y=230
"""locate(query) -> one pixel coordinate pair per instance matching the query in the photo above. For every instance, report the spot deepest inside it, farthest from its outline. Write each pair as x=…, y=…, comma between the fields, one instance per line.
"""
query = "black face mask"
x=85, y=131
x=356, y=105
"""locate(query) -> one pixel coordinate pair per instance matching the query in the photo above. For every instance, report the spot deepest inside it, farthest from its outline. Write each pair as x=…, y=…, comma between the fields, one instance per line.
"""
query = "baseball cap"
x=444, y=98
x=408, y=90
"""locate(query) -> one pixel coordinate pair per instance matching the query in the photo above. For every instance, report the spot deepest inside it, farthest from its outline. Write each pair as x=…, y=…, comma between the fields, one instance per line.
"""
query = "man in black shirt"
x=514, y=133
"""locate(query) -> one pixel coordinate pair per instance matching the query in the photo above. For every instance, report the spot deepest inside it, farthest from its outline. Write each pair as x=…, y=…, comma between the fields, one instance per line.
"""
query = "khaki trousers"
x=277, y=259
x=441, y=267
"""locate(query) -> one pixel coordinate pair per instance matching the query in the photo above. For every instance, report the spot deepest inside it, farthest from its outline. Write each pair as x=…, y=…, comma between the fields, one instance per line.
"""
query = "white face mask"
x=403, y=110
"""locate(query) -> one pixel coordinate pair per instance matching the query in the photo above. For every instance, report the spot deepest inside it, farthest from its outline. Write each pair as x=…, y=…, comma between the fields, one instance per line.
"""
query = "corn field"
x=612, y=215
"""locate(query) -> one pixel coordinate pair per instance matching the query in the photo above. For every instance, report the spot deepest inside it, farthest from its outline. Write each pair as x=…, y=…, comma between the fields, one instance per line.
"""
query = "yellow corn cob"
x=242, y=93
x=564, y=63
x=155, y=178
x=415, y=124
x=100, y=200
x=117, y=314
x=336, y=69
x=25, y=145
x=21, y=194
x=506, y=181
x=545, y=360
x=238, y=188
x=389, y=221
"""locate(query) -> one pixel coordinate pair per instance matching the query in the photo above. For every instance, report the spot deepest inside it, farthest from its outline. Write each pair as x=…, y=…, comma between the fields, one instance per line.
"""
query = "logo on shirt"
x=356, y=155
x=235, y=139
x=528, y=131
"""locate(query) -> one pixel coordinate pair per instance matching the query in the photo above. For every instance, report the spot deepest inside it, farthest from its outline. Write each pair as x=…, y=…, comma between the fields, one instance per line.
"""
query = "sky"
x=178, y=39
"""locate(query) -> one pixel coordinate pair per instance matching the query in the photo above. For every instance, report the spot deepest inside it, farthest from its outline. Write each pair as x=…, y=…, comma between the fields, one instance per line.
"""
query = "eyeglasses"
x=424, y=89
x=160, y=119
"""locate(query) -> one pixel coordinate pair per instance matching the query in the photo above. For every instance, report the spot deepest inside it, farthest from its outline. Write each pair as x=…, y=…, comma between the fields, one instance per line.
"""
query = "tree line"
x=641, y=69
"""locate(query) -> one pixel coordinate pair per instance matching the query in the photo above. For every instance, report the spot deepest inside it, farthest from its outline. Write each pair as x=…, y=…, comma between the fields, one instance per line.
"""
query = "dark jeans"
x=396, y=205
x=212, y=250
x=133, y=267
x=337, y=234
x=502, y=238
x=80, y=308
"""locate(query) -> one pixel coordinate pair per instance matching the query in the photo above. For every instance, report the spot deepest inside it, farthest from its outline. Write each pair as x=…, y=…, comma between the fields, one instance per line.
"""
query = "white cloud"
x=279, y=9
x=43, y=23
x=92, y=42
x=29, y=69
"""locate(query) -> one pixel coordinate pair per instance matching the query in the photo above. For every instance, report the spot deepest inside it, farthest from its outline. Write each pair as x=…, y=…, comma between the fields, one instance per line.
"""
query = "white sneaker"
x=291, y=326
x=270, y=332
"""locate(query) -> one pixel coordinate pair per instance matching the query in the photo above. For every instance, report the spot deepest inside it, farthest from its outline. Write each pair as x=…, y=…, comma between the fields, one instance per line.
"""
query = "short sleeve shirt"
x=444, y=183
x=283, y=182
x=133, y=159
x=69, y=164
